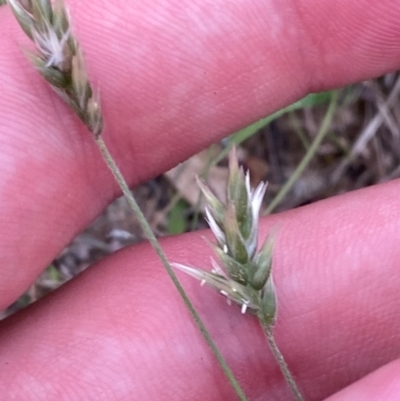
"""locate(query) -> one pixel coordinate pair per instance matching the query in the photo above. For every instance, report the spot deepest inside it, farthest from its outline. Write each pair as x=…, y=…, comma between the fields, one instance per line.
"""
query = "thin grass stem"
x=157, y=247
x=281, y=361
x=299, y=130
x=308, y=156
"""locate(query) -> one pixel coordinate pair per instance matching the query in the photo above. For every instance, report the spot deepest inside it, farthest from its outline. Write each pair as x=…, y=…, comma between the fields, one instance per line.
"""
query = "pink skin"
x=174, y=77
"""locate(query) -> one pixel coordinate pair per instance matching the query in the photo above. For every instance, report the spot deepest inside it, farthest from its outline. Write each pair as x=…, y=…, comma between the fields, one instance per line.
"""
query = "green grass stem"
x=157, y=247
x=281, y=361
x=308, y=156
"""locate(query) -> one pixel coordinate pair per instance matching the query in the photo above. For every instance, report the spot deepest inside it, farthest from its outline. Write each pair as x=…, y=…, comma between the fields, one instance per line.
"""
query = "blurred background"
x=323, y=145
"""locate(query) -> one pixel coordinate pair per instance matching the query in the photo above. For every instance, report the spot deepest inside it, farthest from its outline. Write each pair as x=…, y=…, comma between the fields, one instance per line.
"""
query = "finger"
x=121, y=329
x=383, y=384
x=173, y=78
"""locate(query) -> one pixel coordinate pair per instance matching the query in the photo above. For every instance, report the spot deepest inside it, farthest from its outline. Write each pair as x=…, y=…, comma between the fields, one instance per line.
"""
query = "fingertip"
x=382, y=384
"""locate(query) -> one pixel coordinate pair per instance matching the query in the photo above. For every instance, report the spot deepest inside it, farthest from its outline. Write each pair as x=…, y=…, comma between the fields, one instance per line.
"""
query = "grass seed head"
x=58, y=57
x=246, y=274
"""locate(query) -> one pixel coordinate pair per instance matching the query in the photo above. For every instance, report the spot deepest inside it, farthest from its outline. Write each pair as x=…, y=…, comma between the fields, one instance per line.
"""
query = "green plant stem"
x=281, y=361
x=240, y=136
x=299, y=131
x=154, y=242
x=308, y=156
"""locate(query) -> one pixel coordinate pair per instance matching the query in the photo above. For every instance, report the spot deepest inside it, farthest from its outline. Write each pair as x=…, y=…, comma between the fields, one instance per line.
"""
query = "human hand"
x=175, y=77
